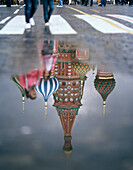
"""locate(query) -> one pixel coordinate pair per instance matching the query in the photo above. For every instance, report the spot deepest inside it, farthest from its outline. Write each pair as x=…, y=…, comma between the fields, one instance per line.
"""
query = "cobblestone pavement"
x=114, y=49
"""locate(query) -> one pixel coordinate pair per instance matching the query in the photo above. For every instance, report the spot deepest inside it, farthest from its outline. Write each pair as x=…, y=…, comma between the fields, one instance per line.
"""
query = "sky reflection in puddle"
x=88, y=110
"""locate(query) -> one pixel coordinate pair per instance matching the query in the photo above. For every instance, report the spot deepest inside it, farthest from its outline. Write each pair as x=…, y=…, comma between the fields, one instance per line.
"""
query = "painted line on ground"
x=104, y=26
x=59, y=26
x=123, y=17
x=94, y=10
x=116, y=24
x=16, y=11
x=119, y=26
x=4, y=20
x=15, y=26
x=6, y=5
x=22, y=6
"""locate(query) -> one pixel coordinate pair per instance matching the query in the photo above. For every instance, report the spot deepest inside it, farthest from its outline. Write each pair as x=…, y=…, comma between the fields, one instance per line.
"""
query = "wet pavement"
x=88, y=93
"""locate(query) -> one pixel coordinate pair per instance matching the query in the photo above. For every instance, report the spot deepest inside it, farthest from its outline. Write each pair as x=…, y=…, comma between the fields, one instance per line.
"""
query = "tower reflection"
x=67, y=99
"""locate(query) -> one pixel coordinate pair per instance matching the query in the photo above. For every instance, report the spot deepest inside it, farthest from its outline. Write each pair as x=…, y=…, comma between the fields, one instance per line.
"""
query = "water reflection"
x=63, y=75
x=104, y=83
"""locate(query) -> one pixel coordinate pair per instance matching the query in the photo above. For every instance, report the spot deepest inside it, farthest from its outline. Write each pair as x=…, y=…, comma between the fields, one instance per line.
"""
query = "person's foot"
x=47, y=24
x=28, y=26
x=59, y=5
x=32, y=22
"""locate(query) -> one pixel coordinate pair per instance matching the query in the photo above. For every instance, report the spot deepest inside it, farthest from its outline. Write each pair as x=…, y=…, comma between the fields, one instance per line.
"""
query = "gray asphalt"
x=114, y=49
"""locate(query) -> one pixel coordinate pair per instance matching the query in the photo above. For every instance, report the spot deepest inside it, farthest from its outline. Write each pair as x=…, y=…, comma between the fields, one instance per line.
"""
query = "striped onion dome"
x=104, y=86
x=81, y=68
x=46, y=88
x=15, y=79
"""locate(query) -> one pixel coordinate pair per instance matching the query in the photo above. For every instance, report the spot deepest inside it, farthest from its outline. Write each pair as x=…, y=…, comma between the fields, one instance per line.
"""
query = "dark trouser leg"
x=51, y=8
x=27, y=10
x=34, y=4
x=104, y=2
x=45, y=10
x=101, y=2
x=130, y=2
x=91, y=2
x=86, y=2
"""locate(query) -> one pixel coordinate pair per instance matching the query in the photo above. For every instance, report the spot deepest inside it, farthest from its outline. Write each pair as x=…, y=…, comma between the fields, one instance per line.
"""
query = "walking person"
x=48, y=58
x=30, y=8
x=60, y=4
x=103, y=2
x=48, y=7
x=130, y=2
x=86, y=2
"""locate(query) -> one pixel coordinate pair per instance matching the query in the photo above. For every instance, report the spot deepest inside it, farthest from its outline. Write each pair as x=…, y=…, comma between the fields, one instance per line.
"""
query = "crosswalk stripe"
x=4, y=20
x=16, y=11
x=22, y=6
x=123, y=17
x=105, y=25
x=59, y=26
x=15, y=26
x=122, y=29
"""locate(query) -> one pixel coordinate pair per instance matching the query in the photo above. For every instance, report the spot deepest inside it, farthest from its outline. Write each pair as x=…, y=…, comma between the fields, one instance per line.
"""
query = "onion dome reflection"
x=104, y=83
x=22, y=90
x=82, y=69
x=27, y=82
x=67, y=99
x=46, y=88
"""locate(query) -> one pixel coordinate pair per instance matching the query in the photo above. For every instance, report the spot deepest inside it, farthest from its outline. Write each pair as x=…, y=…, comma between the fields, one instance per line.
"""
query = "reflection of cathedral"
x=67, y=99
x=104, y=83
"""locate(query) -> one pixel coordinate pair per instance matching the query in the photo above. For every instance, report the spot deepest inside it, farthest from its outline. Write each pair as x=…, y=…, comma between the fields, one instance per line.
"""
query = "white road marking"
x=2, y=5
x=105, y=25
x=22, y=6
x=15, y=26
x=59, y=26
x=6, y=6
x=123, y=17
x=16, y=11
x=4, y=20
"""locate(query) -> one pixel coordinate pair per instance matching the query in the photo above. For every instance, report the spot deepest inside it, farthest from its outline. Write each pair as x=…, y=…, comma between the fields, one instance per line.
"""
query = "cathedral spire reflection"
x=67, y=99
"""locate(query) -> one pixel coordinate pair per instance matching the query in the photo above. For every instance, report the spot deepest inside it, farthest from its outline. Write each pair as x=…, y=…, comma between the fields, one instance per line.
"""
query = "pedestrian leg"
x=91, y=2
x=104, y=2
x=45, y=10
x=34, y=4
x=27, y=10
x=51, y=8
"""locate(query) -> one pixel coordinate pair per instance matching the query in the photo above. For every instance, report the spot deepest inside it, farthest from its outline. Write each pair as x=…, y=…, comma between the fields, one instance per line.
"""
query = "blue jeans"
x=60, y=3
x=103, y=2
x=30, y=8
x=48, y=12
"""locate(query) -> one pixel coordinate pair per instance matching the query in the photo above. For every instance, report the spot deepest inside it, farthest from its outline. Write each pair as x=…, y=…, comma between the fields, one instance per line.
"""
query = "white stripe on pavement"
x=4, y=20
x=22, y=6
x=59, y=26
x=15, y=26
x=123, y=17
x=6, y=5
x=2, y=5
x=16, y=11
x=105, y=25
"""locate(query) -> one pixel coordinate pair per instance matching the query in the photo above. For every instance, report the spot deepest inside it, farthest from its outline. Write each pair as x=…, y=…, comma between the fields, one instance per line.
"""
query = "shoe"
x=47, y=24
x=59, y=6
x=28, y=26
x=32, y=22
